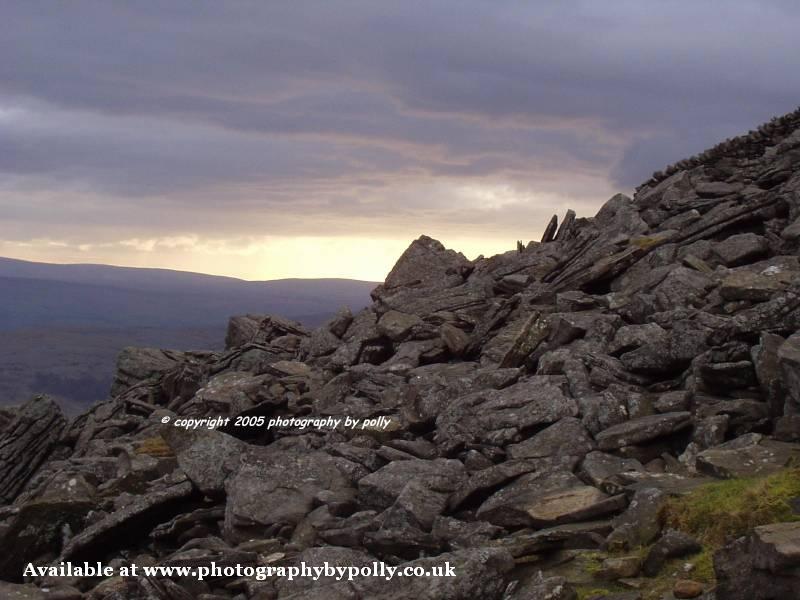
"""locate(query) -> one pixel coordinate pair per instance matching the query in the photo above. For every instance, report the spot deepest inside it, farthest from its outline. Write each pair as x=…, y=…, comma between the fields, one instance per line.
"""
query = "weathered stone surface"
x=260, y=329
x=207, y=457
x=26, y=442
x=643, y=429
x=619, y=567
x=426, y=261
x=741, y=249
x=536, y=500
x=639, y=524
x=382, y=488
x=746, y=285
x=541, y=588
x=672, y=544
x=396, y=325
x=134, y=520
x=276, y=487
x=761, y=566
x=12, y=591
x=500, y=416
x=135, y=365
x=671, y=354
x=761, y=457
x=492, y=476
x=567, y=437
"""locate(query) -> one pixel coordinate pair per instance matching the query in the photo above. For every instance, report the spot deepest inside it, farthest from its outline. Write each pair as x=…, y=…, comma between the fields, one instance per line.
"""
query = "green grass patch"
x=720, y=511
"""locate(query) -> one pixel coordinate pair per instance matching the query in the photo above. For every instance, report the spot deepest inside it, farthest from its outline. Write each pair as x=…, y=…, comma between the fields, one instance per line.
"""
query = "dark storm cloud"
x=324, y=106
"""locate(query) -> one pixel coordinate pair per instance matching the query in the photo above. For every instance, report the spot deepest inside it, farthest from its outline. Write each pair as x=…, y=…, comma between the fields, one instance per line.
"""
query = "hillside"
x=611, y=412
x=63, y=325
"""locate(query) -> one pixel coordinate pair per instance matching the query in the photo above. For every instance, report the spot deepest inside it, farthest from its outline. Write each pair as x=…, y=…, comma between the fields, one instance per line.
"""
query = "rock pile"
x=514, y=413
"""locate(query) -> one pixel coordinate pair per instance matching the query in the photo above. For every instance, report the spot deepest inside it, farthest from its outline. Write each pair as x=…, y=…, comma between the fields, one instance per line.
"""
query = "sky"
x=266, y=139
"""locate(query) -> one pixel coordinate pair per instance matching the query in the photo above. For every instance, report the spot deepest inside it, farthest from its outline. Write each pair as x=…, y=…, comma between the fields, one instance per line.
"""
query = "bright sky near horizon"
x=265, y=140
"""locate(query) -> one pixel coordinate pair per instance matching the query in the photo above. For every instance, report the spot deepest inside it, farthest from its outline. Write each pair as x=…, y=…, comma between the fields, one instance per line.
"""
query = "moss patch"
x=718, y=512
x=154, y=446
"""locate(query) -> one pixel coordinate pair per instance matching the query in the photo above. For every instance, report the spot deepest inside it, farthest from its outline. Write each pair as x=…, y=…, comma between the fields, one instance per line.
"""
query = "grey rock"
x=630, y=337
x=26, y=442
x=741, y=249
x=13, y=591
x=382, y=488
x=768, y=372
x=643, y=429
x=728, y=375
x=207, y=457
x=134, y=519
x=544, y=500
x=493, y=476
x=425, y=262
x=639, y=524
x=761, y=566
x=761, y=457
x=455, y=534
x=273, y=486
x=541, y=588
x=597, y=467
x=676, y=401
x=260, y=329
x=672, y=544
x=567, y=437
x=746, y=285
x=396, y=325
x=499, y=416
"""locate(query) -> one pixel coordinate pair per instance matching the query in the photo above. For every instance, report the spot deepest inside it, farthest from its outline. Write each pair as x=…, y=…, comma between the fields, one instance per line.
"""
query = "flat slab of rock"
x=541, y=501
x=761, y=566
x=760, y=458
x=746, y=285
x=643, y=429
x=589, y=534
x=567, y=437
x=137, y=518
x=777, y=547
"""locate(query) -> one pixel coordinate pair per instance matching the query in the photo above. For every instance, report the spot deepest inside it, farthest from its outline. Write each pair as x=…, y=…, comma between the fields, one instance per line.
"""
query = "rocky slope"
x=539, y=408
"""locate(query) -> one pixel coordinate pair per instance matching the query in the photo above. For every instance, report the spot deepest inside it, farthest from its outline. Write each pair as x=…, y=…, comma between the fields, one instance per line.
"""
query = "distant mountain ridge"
x=64, y=324
x=36, y=294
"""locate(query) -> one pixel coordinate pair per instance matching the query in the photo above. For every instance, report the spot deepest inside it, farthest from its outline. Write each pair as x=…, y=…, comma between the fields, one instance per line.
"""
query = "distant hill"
x=62, y=326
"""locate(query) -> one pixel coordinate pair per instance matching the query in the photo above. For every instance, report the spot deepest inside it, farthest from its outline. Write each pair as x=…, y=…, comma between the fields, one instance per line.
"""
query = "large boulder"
x=543, y=500
x=762, y=566
x=276, y=487
x=426, y=262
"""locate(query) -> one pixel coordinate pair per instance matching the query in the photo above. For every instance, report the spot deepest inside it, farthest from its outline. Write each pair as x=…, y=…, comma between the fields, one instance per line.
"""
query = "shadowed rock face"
x=544, y=401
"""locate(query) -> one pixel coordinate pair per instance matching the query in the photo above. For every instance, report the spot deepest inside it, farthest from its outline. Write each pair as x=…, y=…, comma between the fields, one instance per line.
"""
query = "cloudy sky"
x=313, y=139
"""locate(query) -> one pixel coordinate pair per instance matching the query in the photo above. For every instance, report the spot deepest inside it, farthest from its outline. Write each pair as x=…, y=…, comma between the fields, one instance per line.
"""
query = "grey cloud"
x=325, y=107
